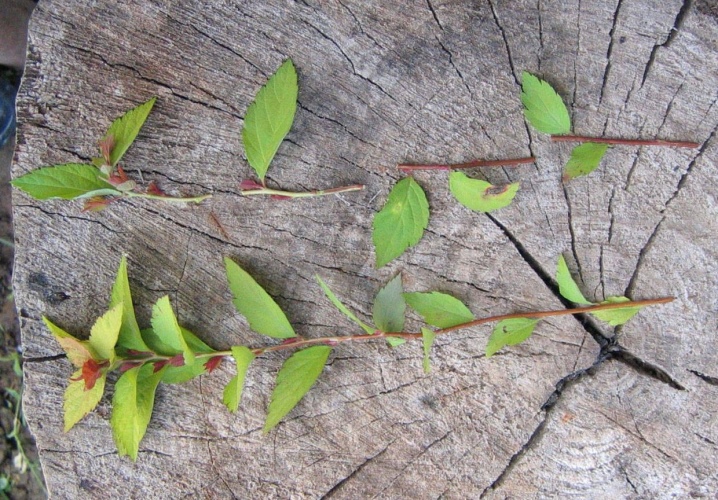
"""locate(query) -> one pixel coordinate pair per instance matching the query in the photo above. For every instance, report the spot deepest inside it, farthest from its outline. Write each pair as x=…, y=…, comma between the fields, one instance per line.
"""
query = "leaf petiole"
x=625, y=142
x=302, y=194
x=169, y=199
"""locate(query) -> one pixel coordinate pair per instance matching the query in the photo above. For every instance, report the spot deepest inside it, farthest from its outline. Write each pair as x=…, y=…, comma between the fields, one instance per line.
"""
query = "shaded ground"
x=18, y=455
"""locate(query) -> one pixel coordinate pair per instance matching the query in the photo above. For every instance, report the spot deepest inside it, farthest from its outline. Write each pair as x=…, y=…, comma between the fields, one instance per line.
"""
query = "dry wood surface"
x=580, y=409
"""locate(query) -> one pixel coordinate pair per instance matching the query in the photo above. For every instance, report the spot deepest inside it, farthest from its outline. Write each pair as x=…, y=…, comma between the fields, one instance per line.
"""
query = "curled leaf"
x=342, y=308
x=615, y=317
x=566, y=284
x=479, y=195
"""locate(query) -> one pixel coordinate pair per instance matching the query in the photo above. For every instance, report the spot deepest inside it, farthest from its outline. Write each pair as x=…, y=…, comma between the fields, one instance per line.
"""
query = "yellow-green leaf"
x=294, y=379
x=78, y=402
x=401, y=223
x=132, y=406
x=233, y=392
x=543, y=107
x=250, y=299
x=269, y=117
x=77, y=351
x=165, y=326
x=105, y=331
x=130, y=337
x=479, y=195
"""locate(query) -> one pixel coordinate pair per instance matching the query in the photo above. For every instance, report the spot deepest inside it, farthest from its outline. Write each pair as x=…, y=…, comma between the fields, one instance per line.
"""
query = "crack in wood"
x=672, y=33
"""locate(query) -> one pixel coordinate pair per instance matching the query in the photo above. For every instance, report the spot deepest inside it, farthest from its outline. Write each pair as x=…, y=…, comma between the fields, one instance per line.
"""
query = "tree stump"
x=380, y=84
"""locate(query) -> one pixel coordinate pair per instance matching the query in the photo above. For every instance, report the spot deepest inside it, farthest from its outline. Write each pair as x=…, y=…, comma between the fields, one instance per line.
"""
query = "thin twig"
x=625, y=142
x=405, y=167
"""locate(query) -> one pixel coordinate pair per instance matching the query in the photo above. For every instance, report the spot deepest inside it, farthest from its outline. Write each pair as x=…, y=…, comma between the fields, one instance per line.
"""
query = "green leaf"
x=543, y=107
x=615, y=317
x=479, y=195
x=77, y=351
x=69, y=181
x=510, y=332
x=105, y=331
x=389, y=307
x=269, y=118
x=132, y=406
x=78, y=402
x=165, y=326
x=130, y=337
x=395, y=341
x=401, y=223
x=584, y=160
x=124, y=130
x=566, y=285
x=439, y=309
x=294, y=379
x=233, y=392
x=342, y=308
x=427, y=337
x=250, y=299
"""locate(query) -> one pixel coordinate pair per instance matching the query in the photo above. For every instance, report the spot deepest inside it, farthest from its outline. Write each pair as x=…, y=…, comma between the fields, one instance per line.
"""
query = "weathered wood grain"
x=578, y=409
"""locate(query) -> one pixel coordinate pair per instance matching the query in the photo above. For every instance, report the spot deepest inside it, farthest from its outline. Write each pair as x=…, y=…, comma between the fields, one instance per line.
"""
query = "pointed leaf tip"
x=124, y=130
x=342, y=308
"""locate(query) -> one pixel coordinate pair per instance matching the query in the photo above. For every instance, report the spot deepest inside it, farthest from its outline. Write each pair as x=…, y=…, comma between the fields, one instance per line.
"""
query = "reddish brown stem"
x=472, y=164
x=470, y=324
x=332, y=341
x=625, y=142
